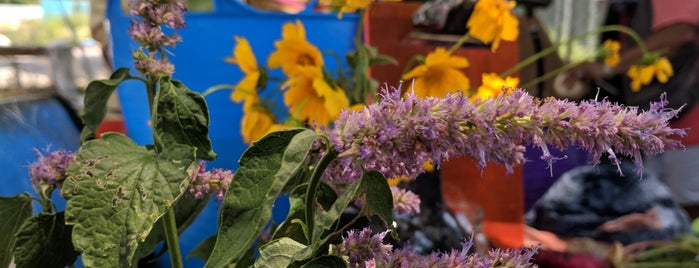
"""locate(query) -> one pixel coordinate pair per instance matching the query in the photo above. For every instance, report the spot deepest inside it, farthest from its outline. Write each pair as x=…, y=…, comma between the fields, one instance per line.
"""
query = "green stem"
x=552, y=74
x=313, y=186
x=216, y=88
x=409, y=64
x=169, y=222
x=459, y=43
x=171, y=238
x=609, y=28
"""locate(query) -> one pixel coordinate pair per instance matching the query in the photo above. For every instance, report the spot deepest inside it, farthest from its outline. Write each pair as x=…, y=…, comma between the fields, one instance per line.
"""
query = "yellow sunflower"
x=656, y=66
x=439, y=75
x=245, y=59
x=492, y=21
x=492, y=85
x=310, y=97
x=294, y=50
x=256, y=121
x=610, y=52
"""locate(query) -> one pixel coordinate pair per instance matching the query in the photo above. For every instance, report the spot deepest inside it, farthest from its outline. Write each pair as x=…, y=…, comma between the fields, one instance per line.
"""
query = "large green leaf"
x=186, y=211
x=116, y=191
x=14, y=211
x=378, y=199
x=265, y=168
x=44, y=241
x=182, y=117
x=278, y=253
x=96, y=95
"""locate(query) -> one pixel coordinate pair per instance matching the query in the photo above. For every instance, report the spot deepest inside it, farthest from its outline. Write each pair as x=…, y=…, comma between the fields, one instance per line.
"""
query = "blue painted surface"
x=25, y=125
x=199, y=63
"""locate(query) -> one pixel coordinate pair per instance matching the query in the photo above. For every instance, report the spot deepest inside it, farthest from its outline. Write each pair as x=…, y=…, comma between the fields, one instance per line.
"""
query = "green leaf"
x=292, y=226
x=186, y=211
x=265, y=168
x=382, y=59
x=329, y=261
x=116, y=191
x=203, y=250
x=96, y=95
x=379, y=199
x=326, y=219
x=14, y=211
x=182, y=117
x=278, y=253
x=44, y=241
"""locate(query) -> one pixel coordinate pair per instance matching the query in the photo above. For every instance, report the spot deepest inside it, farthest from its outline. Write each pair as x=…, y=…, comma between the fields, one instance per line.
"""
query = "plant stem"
x=458, y=43
x=313, y=186
x=169, y=222
x=609, y=28
x=553, y=73
x=171, y=238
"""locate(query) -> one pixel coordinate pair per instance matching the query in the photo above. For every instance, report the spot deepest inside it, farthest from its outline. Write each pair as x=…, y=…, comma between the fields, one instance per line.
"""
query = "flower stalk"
x=543, y=53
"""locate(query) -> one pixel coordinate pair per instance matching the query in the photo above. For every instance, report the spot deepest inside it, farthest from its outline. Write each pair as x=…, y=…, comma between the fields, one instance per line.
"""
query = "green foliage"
x=265, y=168
x=182, y=117
x=44, y=241
x=278, y=253
x=186, y=211
x=13, y=212
x=96, y=96
x=116, y=192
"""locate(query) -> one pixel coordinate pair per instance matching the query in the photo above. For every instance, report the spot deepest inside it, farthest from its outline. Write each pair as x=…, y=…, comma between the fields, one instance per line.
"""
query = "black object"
x=586, y=197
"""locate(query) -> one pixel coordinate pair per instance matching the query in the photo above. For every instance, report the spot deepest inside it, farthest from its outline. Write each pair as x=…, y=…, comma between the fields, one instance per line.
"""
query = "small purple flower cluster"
x=397, y=135
x=50, y=169
x=365, y=250
x=405, y=201
x=203, y=182
x=148, y=32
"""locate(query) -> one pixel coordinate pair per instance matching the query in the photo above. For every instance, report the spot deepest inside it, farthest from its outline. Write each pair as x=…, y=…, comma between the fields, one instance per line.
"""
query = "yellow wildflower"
x=610, y=52
x=294, y=50
x=256, y=121
x=428, y=166
x=349, y=6
x=310, y=97
x=659, y=67
x=492, y=85
x=492, y=21
x=245, y=59
x=439, y=75
x=395, y=181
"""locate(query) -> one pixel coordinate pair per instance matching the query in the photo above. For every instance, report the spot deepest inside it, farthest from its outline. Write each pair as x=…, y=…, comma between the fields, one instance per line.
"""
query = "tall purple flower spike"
x=398, y=134
x=148, y=33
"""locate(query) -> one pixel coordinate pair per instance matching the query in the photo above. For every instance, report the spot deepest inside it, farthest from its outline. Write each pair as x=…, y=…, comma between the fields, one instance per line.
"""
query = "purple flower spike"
x=364, y=249
x=50, y=169
x=203, y=182
x=398, y=134
x=405, y=201
x=148, y=32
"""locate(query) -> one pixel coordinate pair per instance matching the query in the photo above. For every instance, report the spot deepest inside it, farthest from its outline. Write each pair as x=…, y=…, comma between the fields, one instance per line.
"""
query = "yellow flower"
x=492, y=21
x=294, y=50
x=439, y=75
x=659, y=67
x=493, y=84
x=256, y=121
x=610, y=52
x=395, y=181
x=310, y=97
x=349, y=6
x=245, y=59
